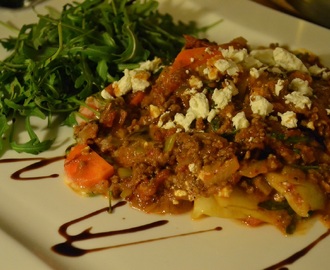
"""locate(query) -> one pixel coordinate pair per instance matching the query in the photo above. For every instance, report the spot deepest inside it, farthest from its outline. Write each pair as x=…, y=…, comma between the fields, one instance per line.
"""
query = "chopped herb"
x=306, y=167
x=291, y=139
x=216, y=123
x=276, y=206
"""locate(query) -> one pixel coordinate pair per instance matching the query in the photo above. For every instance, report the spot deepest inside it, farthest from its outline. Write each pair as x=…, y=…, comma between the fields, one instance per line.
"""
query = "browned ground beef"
x=164, y=170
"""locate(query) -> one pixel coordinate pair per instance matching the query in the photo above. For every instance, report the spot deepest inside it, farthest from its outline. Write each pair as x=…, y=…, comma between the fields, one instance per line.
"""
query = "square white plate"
x=31, y=212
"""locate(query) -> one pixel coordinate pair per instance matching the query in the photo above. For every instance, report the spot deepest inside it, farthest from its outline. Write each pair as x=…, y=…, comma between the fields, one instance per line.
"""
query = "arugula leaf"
x=66, y=56
x=3, y=128
x=33, y=146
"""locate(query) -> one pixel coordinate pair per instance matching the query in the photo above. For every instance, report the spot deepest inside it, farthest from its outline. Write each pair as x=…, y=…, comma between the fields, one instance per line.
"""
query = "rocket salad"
x=56, y=63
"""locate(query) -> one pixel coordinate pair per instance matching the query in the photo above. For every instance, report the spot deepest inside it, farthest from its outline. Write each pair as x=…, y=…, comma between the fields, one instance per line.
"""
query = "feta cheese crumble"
x=279, y=87
x=260, y=105
x=301, y=86
x=288, y=119
x=137, y=79
x=227, y=66
x=240, y=121
x=298, y=99
x=288, y=60
x=151, y=65
x=195, y=82
x=236, y=55
x=133, y=80
x=199, y=105
x=222, y=97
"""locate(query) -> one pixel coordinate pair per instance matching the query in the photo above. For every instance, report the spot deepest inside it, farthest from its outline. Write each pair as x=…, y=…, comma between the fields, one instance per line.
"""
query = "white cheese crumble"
x=151, y=65
x=199, y=105
x=192, y=167
x=288, y=119
x=227, y=66
x=315, y=70
x=184, y=120
x=288, y=60
x=326, y=75
x=168, y=125
x=298, y=99
x=124, y=85
x=211, y=73
x=240, y=121
x=254, y=72
x=137, y=79
x=279, y=87
x=212, y=114
x=310, y=125
x=133, y=80
x=222, y=97
x=231, y=53
x=260, y=105
x=198, y=108
x=301, y=86
x=161, y=119
x=195, y=82
x=278, y=60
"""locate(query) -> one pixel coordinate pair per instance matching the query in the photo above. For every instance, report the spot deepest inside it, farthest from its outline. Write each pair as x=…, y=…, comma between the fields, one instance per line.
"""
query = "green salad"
x=56, y=63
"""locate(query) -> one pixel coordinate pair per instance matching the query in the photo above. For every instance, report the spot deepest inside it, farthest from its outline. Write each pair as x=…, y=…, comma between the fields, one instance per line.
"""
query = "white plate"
x=31, y=212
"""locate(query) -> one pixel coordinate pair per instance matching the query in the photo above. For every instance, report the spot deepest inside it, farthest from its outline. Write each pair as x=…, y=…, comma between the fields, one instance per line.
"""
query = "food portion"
x=225, y=130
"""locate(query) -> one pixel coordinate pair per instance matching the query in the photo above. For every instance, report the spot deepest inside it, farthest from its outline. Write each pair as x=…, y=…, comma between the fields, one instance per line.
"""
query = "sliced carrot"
x=85, y=169
x=137, y=98
x=194, y=57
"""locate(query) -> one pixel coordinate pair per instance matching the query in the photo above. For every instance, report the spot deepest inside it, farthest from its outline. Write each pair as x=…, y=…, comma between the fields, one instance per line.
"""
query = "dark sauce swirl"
x=299, y=254
x=68, y=249
x=40, y=163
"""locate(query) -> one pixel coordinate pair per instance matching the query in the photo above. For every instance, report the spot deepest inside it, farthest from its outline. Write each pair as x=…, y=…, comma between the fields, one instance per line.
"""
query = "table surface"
x=281, y=5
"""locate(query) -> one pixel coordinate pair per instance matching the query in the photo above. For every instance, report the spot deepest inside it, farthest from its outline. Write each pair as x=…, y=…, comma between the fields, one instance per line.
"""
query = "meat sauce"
x=221, y=119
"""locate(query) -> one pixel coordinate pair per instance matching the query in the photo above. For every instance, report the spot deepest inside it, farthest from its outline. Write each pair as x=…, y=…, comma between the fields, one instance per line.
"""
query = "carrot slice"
x=86, y=171
x=194, y=57
x=137, y=98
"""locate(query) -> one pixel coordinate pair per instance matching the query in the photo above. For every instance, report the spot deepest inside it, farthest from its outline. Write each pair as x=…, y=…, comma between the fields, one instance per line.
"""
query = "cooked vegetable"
x=86, y=171
x=65, y=57
x=241, y=206
x=302, y=195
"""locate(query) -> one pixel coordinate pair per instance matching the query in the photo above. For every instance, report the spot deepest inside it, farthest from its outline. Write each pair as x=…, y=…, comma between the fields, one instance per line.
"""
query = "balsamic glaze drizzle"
x=68, y=249
x=299, y=254
x=41, y=162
